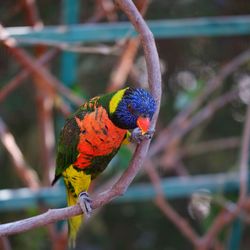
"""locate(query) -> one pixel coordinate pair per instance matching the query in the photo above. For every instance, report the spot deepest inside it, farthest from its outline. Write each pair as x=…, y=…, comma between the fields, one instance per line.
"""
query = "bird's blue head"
x=131, y=108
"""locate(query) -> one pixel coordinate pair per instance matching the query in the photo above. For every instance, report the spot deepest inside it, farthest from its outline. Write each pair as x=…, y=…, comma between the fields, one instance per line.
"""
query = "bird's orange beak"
x=143, y=123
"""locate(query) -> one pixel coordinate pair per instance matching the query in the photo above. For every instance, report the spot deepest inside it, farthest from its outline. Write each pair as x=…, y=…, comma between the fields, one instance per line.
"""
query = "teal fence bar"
x=68, y=65
x=173, y=188
x=109, y=32
x=235, y=235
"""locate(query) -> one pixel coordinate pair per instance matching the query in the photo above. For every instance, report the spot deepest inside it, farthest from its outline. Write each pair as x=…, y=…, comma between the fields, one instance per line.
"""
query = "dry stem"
x=181, y=223
x=26, y=174
x=19, y=78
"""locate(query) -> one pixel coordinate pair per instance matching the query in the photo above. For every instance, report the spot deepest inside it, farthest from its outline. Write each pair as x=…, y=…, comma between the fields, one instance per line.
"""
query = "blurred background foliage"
x=187, y=65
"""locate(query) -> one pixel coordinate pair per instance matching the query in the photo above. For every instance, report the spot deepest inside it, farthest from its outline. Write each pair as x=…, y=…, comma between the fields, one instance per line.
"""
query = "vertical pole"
x=238, y=225
x=70, y=15
x=235, y=235
x=68, y=62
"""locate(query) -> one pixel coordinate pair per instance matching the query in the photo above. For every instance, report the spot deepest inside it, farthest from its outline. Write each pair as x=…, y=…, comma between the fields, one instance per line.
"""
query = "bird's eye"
x=130, y=108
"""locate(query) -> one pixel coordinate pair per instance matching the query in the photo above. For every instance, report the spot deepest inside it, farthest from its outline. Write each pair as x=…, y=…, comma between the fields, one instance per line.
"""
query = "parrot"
x=92, y=136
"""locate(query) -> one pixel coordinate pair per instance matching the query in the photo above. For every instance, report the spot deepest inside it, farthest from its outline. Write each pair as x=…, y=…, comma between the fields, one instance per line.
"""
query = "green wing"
x=67, y=147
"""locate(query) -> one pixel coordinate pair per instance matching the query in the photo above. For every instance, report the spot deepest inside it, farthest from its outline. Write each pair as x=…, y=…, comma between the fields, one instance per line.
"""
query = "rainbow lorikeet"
x=92, y=136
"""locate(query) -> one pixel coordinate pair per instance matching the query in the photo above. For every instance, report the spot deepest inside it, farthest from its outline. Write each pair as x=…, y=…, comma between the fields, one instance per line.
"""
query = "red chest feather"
x=98, y=137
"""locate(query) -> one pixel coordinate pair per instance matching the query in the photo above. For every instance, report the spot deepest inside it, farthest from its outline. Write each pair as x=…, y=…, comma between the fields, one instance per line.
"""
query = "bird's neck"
x=111, y=101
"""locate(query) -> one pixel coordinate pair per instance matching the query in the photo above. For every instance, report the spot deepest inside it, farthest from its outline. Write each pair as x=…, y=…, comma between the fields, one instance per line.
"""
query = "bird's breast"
x=98, y=137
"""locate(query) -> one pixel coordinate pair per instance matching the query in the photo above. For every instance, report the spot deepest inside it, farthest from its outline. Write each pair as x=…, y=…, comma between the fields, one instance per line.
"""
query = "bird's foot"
x=85, y=203
x=137, y=136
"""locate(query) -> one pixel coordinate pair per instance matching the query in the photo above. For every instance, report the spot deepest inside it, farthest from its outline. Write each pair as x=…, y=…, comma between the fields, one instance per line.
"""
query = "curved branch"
x=135, y=165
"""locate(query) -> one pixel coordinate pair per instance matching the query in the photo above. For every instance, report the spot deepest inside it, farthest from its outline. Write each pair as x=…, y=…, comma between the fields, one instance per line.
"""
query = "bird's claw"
x=85, y=203
x=137, y=136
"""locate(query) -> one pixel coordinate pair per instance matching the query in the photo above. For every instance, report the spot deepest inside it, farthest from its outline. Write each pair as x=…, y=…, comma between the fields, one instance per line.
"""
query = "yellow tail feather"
x=76, y=182
x=74, y=223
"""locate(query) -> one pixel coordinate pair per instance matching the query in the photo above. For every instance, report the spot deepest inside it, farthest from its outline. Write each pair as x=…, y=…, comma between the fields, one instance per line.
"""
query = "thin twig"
x=49, y=83
x=78, y=48
x=44, y=112
x=244, y=157
x=46, y=133
x=210, y=146
x=187, y=125
x=32, y=15
x=44, y=102
x=26, y=174
x=98, y=14
x=225, y=217
x=181, y=223
x=212, y=85
x=108, y=8
x=5, y=243
x=19, y=78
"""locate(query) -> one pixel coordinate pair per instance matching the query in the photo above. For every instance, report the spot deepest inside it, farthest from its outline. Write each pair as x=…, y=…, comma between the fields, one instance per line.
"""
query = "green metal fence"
x=174, y=187
x=109, y=32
